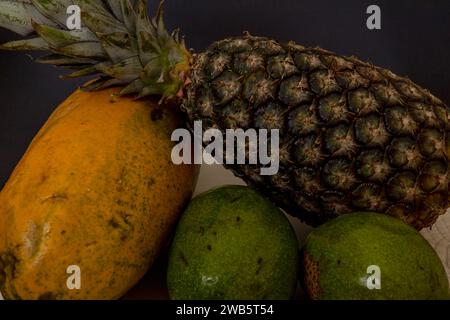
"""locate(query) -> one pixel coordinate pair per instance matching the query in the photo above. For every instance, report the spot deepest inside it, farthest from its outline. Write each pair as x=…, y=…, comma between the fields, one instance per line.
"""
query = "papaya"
x=93, y=200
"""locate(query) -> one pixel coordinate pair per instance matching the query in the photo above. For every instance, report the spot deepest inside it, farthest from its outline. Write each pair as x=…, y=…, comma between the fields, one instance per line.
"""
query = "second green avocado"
x=367, y=256
x=231, y=243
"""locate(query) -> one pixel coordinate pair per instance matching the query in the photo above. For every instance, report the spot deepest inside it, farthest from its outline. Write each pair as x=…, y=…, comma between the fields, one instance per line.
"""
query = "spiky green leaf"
x=61, y=38
x=128, y=69
x=17, y=16
x=34, y=44
x=61, y=60
x=54, y=10
x=117, y=41
x=129, y=15
x=116, y=8
x=102, y=24
x=83, y=49
x=118, y=46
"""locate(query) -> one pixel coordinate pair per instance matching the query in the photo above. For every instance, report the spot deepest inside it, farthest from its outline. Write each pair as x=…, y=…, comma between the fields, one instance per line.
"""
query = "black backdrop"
x=414, y=41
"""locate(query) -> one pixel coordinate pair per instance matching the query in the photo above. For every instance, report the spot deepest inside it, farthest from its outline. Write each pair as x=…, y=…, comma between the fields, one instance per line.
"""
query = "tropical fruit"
x=371, y=256
x=231, y=243
x=94, y=197
x=353, y=136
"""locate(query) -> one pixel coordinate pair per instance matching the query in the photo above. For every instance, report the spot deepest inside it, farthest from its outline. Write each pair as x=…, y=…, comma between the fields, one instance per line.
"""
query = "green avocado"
x=371, y=256
x=233, y=244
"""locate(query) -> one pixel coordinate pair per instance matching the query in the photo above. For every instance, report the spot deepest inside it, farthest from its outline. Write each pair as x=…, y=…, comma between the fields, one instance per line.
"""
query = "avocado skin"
x=336, y=256
x=233, y=244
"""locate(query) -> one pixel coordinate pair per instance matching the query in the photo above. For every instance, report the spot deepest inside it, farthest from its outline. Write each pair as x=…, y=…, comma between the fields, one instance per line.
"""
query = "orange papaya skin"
x=96, y=189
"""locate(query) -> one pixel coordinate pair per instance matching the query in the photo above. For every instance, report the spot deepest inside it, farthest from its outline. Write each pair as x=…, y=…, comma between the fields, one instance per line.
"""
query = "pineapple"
x=354, y=137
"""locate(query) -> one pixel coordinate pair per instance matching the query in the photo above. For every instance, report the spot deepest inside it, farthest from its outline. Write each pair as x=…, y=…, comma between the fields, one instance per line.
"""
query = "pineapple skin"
x=353, y=137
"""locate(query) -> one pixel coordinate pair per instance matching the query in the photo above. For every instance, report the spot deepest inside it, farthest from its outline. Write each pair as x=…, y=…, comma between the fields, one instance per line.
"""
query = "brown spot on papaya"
x=55, y=197
x=34, y=237
x=148, y=254
x=157, y=115
x=90, y=244
x=112, y=281
x=113, y=223
x=43, y=178
x=209, y=247
x=127, y=265
x=47, y=296
x=9, y=262
x=121, y=221
x=2, y=277
x=151, y=182
x=120, y=202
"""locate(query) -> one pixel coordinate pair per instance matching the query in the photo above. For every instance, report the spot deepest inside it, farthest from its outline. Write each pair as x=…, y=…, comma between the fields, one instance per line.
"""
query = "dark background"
x=414, y=41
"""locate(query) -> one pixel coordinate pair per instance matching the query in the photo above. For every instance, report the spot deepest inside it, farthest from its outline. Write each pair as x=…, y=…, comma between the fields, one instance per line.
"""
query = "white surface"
x=439, y=238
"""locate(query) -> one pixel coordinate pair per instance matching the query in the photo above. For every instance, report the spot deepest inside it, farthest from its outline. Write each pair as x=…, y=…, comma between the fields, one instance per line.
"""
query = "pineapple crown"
x=117, y=41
